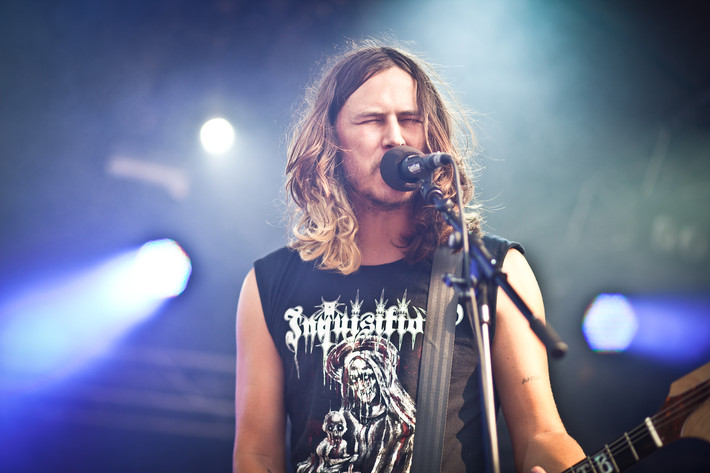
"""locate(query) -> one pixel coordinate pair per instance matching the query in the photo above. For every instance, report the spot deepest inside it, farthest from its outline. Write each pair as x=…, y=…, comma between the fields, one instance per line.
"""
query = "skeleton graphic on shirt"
x=374, y=428
x=332, y=450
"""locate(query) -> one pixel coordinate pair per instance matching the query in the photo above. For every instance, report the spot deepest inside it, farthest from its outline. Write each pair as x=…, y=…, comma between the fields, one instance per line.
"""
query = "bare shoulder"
x=518, y=354
x=258, y=362
x=259, y=402
x=249, y=310
x=523, y=280
x=519, y=358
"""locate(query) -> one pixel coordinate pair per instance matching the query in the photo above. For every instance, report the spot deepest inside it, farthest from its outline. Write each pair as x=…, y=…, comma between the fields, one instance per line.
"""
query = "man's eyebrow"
x=367, y=114
x=376, y=114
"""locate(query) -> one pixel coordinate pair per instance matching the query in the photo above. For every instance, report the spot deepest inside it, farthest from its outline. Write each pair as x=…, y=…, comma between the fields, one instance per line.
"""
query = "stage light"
x=161, y=269
x=668, y=328
x=610, y=323
x=217, y=136
x=55, y=328
x=672, y=328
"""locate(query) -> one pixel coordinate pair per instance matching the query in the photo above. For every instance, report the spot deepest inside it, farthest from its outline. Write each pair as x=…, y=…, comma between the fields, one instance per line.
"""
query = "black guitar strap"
x=435, y=368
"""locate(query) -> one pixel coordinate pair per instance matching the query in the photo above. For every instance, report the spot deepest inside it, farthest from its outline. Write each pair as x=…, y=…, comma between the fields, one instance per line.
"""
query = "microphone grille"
x=389, y=168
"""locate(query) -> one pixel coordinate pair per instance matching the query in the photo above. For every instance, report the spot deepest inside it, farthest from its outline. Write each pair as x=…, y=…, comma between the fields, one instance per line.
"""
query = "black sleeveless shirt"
x=350, y=348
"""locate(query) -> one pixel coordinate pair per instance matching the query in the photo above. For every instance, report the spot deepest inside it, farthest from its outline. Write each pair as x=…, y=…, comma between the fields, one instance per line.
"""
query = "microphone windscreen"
x=389, y=168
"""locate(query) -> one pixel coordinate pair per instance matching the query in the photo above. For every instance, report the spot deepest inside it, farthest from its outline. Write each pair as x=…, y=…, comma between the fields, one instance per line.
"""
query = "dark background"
x=593, y=124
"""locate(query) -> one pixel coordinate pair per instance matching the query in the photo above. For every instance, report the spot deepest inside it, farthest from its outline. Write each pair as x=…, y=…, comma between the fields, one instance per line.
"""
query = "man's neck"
x=380, y=234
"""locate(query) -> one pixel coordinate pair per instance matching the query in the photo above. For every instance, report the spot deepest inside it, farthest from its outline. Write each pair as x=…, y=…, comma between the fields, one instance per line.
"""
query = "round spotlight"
x=610, y=323
x=162, y=268
x=217, y=136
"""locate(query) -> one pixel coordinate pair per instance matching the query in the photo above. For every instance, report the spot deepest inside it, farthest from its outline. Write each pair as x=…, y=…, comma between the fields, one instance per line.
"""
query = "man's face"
x=381, y=114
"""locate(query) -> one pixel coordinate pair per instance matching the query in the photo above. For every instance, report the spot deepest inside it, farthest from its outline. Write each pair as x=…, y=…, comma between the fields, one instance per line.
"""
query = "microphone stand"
x=487, y=274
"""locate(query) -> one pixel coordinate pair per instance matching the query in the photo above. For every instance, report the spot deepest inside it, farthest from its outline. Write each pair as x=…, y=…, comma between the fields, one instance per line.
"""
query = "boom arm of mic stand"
x=545, y=333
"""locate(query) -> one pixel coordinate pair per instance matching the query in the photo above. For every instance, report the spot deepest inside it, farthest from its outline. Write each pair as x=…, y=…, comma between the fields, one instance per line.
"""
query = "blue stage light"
x=673, y=328
x=161, y=269
x=668, y=328
x=610, y=323
x=54, y=328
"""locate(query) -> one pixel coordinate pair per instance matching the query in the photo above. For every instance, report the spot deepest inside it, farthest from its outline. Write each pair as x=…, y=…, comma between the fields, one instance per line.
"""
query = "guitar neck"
x=655, y=432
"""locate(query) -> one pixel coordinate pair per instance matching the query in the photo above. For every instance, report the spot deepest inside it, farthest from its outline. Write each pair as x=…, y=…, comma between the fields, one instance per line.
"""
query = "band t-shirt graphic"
x=350, y=348
x=374, y=424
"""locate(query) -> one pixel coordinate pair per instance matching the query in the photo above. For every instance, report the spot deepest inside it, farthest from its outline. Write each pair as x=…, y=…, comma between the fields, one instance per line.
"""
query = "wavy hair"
x=323, y=223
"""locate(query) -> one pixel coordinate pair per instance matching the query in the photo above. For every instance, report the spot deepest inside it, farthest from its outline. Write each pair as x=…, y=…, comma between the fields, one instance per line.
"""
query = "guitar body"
x=697, y=425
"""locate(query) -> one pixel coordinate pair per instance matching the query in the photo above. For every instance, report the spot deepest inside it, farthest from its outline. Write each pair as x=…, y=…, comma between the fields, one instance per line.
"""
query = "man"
x=329, y=329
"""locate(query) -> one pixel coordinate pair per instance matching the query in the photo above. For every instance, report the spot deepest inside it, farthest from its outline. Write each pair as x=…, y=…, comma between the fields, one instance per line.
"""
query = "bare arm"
x=521, y=375
x=259, y=442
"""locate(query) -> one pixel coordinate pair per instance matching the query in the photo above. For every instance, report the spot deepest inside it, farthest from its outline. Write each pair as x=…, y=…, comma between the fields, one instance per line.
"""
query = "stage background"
x=592, y=119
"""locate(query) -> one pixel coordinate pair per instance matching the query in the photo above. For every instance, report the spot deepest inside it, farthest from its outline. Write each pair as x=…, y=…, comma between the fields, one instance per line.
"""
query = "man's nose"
x=393, y=134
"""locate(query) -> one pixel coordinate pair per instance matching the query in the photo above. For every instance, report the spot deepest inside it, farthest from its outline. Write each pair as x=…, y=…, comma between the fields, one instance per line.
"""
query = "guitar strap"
x=435, y=368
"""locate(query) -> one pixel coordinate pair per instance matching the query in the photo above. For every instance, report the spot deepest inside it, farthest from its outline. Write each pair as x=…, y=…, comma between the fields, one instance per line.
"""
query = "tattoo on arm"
x=531, y=378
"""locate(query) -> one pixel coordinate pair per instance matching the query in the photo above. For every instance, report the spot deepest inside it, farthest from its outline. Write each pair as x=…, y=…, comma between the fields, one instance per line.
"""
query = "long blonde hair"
x=324, y=225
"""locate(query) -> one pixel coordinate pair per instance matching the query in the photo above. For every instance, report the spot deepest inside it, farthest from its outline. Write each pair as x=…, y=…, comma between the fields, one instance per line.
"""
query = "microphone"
x=403, y=167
